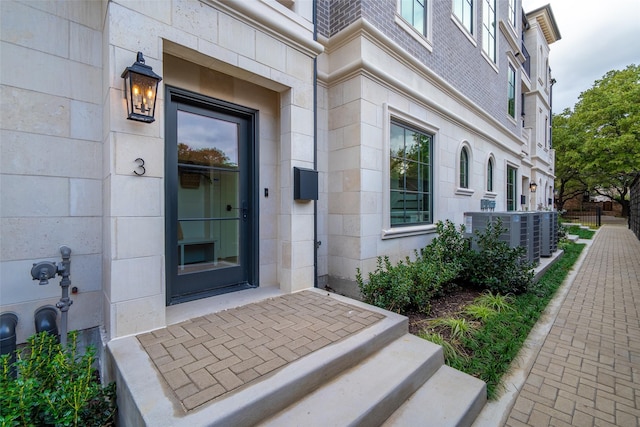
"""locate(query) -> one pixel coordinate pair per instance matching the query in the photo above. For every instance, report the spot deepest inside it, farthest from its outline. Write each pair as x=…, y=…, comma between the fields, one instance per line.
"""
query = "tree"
x=569, y=179
x=606, y=126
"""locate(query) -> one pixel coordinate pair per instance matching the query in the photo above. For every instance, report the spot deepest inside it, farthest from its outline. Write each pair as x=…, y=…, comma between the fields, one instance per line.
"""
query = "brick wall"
x=454, y=57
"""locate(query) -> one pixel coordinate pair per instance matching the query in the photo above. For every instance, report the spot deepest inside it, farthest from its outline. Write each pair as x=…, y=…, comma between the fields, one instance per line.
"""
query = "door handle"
x=245, y=210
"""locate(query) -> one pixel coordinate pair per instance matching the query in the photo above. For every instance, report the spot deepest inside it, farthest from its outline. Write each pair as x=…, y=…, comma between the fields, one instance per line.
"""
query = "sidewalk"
x=587, y=371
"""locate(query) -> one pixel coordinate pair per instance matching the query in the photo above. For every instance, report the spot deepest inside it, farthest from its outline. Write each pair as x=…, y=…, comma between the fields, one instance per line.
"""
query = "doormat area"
x=203, y=358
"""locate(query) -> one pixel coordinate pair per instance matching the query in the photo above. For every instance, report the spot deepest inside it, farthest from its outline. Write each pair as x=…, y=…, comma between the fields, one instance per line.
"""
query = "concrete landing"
x=245, y=365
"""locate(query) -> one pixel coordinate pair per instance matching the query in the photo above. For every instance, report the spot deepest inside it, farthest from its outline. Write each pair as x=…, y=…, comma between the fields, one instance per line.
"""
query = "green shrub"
x=496, y=266
x=449, y=246
x=388, y=287
x=54, y=386
x=408, y=285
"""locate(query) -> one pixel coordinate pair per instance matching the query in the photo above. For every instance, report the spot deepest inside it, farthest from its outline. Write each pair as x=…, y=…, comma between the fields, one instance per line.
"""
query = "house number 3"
x=140, y=169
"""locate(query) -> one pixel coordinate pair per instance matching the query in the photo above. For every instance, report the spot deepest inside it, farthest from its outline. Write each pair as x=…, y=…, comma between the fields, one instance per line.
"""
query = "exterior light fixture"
x=140, y=89
x=533, y=187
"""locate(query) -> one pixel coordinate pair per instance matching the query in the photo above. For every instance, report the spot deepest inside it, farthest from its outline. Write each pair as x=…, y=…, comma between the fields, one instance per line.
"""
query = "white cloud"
x=597, y=37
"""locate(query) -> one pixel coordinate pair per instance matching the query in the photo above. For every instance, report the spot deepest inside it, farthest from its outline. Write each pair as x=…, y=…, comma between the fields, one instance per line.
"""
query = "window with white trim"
x=512, y=13
x=463, y=10
x=490, y=175
x=489, y=29
x=512, y=188
x=415, y=12
x=511, y=95
x=410, y=174
x=464, y=168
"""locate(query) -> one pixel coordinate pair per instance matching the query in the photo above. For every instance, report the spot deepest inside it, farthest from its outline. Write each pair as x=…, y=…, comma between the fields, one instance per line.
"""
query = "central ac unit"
x=521, y=229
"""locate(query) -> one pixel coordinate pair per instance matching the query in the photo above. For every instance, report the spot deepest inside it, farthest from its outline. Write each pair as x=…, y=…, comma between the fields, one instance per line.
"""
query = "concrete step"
x=141, y=392
x=370, y=392
x=449, y=398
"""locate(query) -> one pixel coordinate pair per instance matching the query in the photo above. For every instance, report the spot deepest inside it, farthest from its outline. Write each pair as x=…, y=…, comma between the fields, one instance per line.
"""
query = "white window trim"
x=389, y=232
x=470, y=36
x=424, y=39
x=518, y=178
x=420, y=38
x=491, y=194
x=461, y=191
x=513, y=118
x=495, y=32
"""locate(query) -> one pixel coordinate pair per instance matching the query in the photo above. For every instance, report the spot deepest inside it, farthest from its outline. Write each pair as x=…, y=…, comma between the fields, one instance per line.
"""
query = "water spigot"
x=43, y=271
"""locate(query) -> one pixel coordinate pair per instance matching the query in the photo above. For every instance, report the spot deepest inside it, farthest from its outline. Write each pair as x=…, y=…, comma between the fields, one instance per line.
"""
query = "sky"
x=597, y=36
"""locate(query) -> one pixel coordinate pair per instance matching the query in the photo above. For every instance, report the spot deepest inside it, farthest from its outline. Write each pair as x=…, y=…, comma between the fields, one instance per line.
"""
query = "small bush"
x=496, y=266
x=54, y=386
x=388, y=287
x=408, y=285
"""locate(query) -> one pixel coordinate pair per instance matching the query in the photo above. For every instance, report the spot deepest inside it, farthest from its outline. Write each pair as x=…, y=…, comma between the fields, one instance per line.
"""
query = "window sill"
x=420, y=38
x=414, y=230
x=490, y=195
x=465, y=192
x=464, y=30
x=490, y=62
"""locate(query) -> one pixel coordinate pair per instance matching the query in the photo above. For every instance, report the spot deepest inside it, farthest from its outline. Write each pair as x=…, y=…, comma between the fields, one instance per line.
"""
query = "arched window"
x=490, y=175
x=464, y=168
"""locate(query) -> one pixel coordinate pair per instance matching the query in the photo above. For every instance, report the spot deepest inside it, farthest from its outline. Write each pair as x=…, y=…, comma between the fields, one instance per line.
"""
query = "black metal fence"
x=634, y=206
x=590, y=217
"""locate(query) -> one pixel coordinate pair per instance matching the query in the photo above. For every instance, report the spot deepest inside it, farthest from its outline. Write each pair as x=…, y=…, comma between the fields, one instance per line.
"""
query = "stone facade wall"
x=51, y=155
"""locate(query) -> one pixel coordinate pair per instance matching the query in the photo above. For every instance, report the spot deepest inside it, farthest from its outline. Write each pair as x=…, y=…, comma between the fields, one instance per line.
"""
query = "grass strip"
x=580, y=232
x=493, y=346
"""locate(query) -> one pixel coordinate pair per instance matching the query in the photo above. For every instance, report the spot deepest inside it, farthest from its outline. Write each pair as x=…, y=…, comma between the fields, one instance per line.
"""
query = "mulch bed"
x=445, y=306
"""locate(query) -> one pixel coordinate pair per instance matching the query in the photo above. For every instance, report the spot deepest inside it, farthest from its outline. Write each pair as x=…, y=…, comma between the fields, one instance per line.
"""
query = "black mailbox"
x=305, y=184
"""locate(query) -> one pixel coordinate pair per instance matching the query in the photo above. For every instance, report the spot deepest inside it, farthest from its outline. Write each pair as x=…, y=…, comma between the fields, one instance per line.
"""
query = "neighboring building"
x=411, y=113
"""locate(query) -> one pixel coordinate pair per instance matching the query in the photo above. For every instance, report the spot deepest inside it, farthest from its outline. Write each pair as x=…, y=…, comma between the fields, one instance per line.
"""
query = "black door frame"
x=173, y=97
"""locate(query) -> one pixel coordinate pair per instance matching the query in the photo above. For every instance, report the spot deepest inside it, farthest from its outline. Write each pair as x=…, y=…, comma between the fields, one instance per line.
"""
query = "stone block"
x=130, y=147
x=33, y=112
x=196, y=18
x=38, y=237
x=138, y=315
x=136, y=278
x=22, y=25
x=85, y=45
x=139, y=237
x=85, y=197
x=271, y=52
x=236, y=36
x=34, y=196
x=85, y=121
x=136, y=196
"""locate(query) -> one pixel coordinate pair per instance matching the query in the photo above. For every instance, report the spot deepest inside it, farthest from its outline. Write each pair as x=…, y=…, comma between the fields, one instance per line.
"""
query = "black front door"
x=210, y=190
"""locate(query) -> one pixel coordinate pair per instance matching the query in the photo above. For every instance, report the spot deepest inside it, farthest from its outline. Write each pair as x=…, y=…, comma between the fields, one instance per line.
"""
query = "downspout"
x=316, y=244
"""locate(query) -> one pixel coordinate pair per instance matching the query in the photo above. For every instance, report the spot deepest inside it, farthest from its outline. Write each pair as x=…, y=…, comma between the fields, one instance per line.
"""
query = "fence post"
x=598, y=216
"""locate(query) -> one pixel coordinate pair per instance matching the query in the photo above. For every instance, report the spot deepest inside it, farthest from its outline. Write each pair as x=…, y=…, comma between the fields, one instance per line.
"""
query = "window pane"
x=414, y=12
x=410, y=176
x=397, y=141
x=463, y=9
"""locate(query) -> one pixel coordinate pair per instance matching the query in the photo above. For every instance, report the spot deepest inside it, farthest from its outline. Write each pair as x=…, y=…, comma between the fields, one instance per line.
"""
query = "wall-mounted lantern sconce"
x=533, y=187
x=140, y=89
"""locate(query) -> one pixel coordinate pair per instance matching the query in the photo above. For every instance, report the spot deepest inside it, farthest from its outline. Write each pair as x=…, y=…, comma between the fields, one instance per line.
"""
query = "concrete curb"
x=495, y=413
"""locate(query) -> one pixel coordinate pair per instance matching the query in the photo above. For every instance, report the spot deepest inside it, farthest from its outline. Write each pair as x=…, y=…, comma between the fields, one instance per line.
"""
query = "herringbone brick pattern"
x=205, y=357
x=588, y=370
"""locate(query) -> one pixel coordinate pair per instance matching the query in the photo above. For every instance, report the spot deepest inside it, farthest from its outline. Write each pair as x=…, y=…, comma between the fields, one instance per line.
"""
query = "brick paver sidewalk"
x=588, y=370
x=204, y=358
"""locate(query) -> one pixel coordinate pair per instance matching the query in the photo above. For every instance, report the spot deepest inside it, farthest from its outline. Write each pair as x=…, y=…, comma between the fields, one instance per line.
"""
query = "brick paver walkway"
x=588, y=370
x=204, y=358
